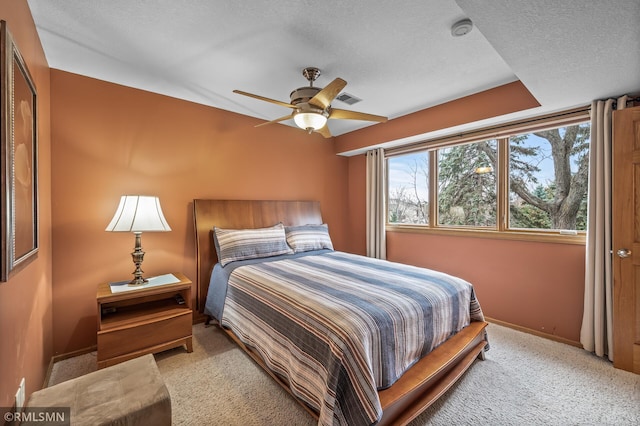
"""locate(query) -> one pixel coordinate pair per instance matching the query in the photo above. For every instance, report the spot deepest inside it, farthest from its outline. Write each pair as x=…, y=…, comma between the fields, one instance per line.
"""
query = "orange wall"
x=539, y=286
x=25, y=300
x=357, y=204
x=111, y=140
x=534, y=285
x=501, y=100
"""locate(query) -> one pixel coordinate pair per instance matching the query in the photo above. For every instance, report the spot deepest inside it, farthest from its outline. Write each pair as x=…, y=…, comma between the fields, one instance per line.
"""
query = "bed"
x=364, y=384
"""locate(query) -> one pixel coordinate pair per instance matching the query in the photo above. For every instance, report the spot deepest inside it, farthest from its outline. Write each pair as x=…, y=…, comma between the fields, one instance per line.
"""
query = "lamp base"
x=137, y=281
x=138, y=256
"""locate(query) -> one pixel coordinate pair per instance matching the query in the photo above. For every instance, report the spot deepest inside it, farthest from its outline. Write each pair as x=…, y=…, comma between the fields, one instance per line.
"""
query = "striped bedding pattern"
x=240, y=244
x=308, y=237
x=338, y=326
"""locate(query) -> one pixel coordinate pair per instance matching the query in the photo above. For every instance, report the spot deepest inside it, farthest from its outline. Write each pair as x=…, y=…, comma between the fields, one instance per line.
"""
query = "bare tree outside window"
x=548, y=178
x=408, y=189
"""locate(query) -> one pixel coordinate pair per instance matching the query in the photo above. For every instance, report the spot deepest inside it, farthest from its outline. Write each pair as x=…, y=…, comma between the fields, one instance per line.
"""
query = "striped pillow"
x=308, y=237
x=241, y=244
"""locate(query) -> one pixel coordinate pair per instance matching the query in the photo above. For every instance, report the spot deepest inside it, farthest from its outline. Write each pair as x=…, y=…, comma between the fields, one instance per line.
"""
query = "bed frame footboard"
x=421, y=385
x=432, y=376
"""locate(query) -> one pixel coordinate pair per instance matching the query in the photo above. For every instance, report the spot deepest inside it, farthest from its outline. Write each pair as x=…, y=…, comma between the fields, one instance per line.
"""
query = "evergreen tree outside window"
x=467, y=186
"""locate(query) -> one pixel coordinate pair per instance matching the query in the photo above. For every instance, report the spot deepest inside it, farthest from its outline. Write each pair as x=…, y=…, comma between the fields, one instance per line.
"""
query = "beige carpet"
x=526, y=380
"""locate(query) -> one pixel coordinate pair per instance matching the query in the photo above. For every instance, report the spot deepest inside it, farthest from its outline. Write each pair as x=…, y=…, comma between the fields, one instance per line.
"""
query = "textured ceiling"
x=399, y=57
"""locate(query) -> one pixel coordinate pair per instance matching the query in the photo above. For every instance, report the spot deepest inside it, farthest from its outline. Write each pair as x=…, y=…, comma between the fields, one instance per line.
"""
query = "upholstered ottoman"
x=129, y=393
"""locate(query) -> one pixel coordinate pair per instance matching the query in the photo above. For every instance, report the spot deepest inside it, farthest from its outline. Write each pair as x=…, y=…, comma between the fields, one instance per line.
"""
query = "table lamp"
x=138, y=214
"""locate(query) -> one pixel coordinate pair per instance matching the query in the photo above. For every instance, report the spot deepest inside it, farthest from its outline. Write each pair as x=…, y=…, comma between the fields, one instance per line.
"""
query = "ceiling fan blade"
x=323, y=98
x=324, y=131
x=262, y=98
x=354, y=115
x=277, y=120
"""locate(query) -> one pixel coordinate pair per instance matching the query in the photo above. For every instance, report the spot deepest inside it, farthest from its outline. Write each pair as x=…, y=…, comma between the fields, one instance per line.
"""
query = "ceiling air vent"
x=348, y=98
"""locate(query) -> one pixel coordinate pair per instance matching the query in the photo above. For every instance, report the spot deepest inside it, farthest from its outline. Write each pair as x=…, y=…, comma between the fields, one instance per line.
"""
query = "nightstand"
x=141, y=321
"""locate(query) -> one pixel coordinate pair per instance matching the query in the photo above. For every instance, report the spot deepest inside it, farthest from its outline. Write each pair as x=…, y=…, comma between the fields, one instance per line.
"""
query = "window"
x=467, y=185
x=408, y=189
x=548, y=172
x=525, y=178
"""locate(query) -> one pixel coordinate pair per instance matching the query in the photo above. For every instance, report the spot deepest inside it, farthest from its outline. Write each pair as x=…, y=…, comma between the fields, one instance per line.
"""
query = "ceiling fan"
x=312, y=105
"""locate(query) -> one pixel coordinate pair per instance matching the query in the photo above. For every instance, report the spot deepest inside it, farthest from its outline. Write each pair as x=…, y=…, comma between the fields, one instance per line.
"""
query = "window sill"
x=531, y=236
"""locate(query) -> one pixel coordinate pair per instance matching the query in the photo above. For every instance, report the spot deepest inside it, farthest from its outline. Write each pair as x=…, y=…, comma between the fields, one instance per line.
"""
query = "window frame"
x=502, y=134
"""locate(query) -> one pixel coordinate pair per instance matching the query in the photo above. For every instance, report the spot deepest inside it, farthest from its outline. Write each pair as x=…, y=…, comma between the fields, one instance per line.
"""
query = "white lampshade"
x=138, y=213
x=310, y=120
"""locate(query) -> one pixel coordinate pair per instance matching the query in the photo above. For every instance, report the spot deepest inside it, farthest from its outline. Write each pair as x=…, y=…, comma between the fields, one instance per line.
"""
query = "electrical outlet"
x=20, y=394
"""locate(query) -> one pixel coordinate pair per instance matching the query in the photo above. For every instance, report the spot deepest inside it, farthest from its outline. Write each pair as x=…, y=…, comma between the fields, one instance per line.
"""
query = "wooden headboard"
x=240, y=214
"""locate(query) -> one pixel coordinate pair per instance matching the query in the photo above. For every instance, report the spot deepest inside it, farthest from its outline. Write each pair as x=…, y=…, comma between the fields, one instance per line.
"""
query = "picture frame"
x=19, y=156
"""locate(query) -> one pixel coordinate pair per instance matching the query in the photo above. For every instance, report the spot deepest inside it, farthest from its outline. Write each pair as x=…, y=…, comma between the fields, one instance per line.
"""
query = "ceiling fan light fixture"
x=312, y=106
x=310, y=121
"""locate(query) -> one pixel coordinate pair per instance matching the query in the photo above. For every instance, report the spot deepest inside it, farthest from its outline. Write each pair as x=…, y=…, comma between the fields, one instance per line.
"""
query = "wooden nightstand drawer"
x=139, y=321
x=133, y=338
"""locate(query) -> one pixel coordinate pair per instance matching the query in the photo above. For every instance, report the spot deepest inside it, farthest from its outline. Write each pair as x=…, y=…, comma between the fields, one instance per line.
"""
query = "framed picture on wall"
x=18, y=133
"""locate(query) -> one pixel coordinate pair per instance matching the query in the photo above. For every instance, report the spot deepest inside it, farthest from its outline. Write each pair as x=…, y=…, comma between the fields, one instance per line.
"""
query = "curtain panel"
x=596, y=334
x=376, y=236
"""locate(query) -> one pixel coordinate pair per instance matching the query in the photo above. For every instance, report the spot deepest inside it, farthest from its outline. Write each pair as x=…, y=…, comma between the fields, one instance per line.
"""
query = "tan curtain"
x=596, y=334
x=376, y=237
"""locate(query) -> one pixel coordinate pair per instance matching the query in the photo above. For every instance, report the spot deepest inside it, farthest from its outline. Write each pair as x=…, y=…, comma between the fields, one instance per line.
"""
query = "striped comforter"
x=338, y=326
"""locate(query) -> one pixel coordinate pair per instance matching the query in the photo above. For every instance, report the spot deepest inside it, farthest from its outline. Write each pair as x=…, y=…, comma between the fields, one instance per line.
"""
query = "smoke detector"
x=461, y=27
